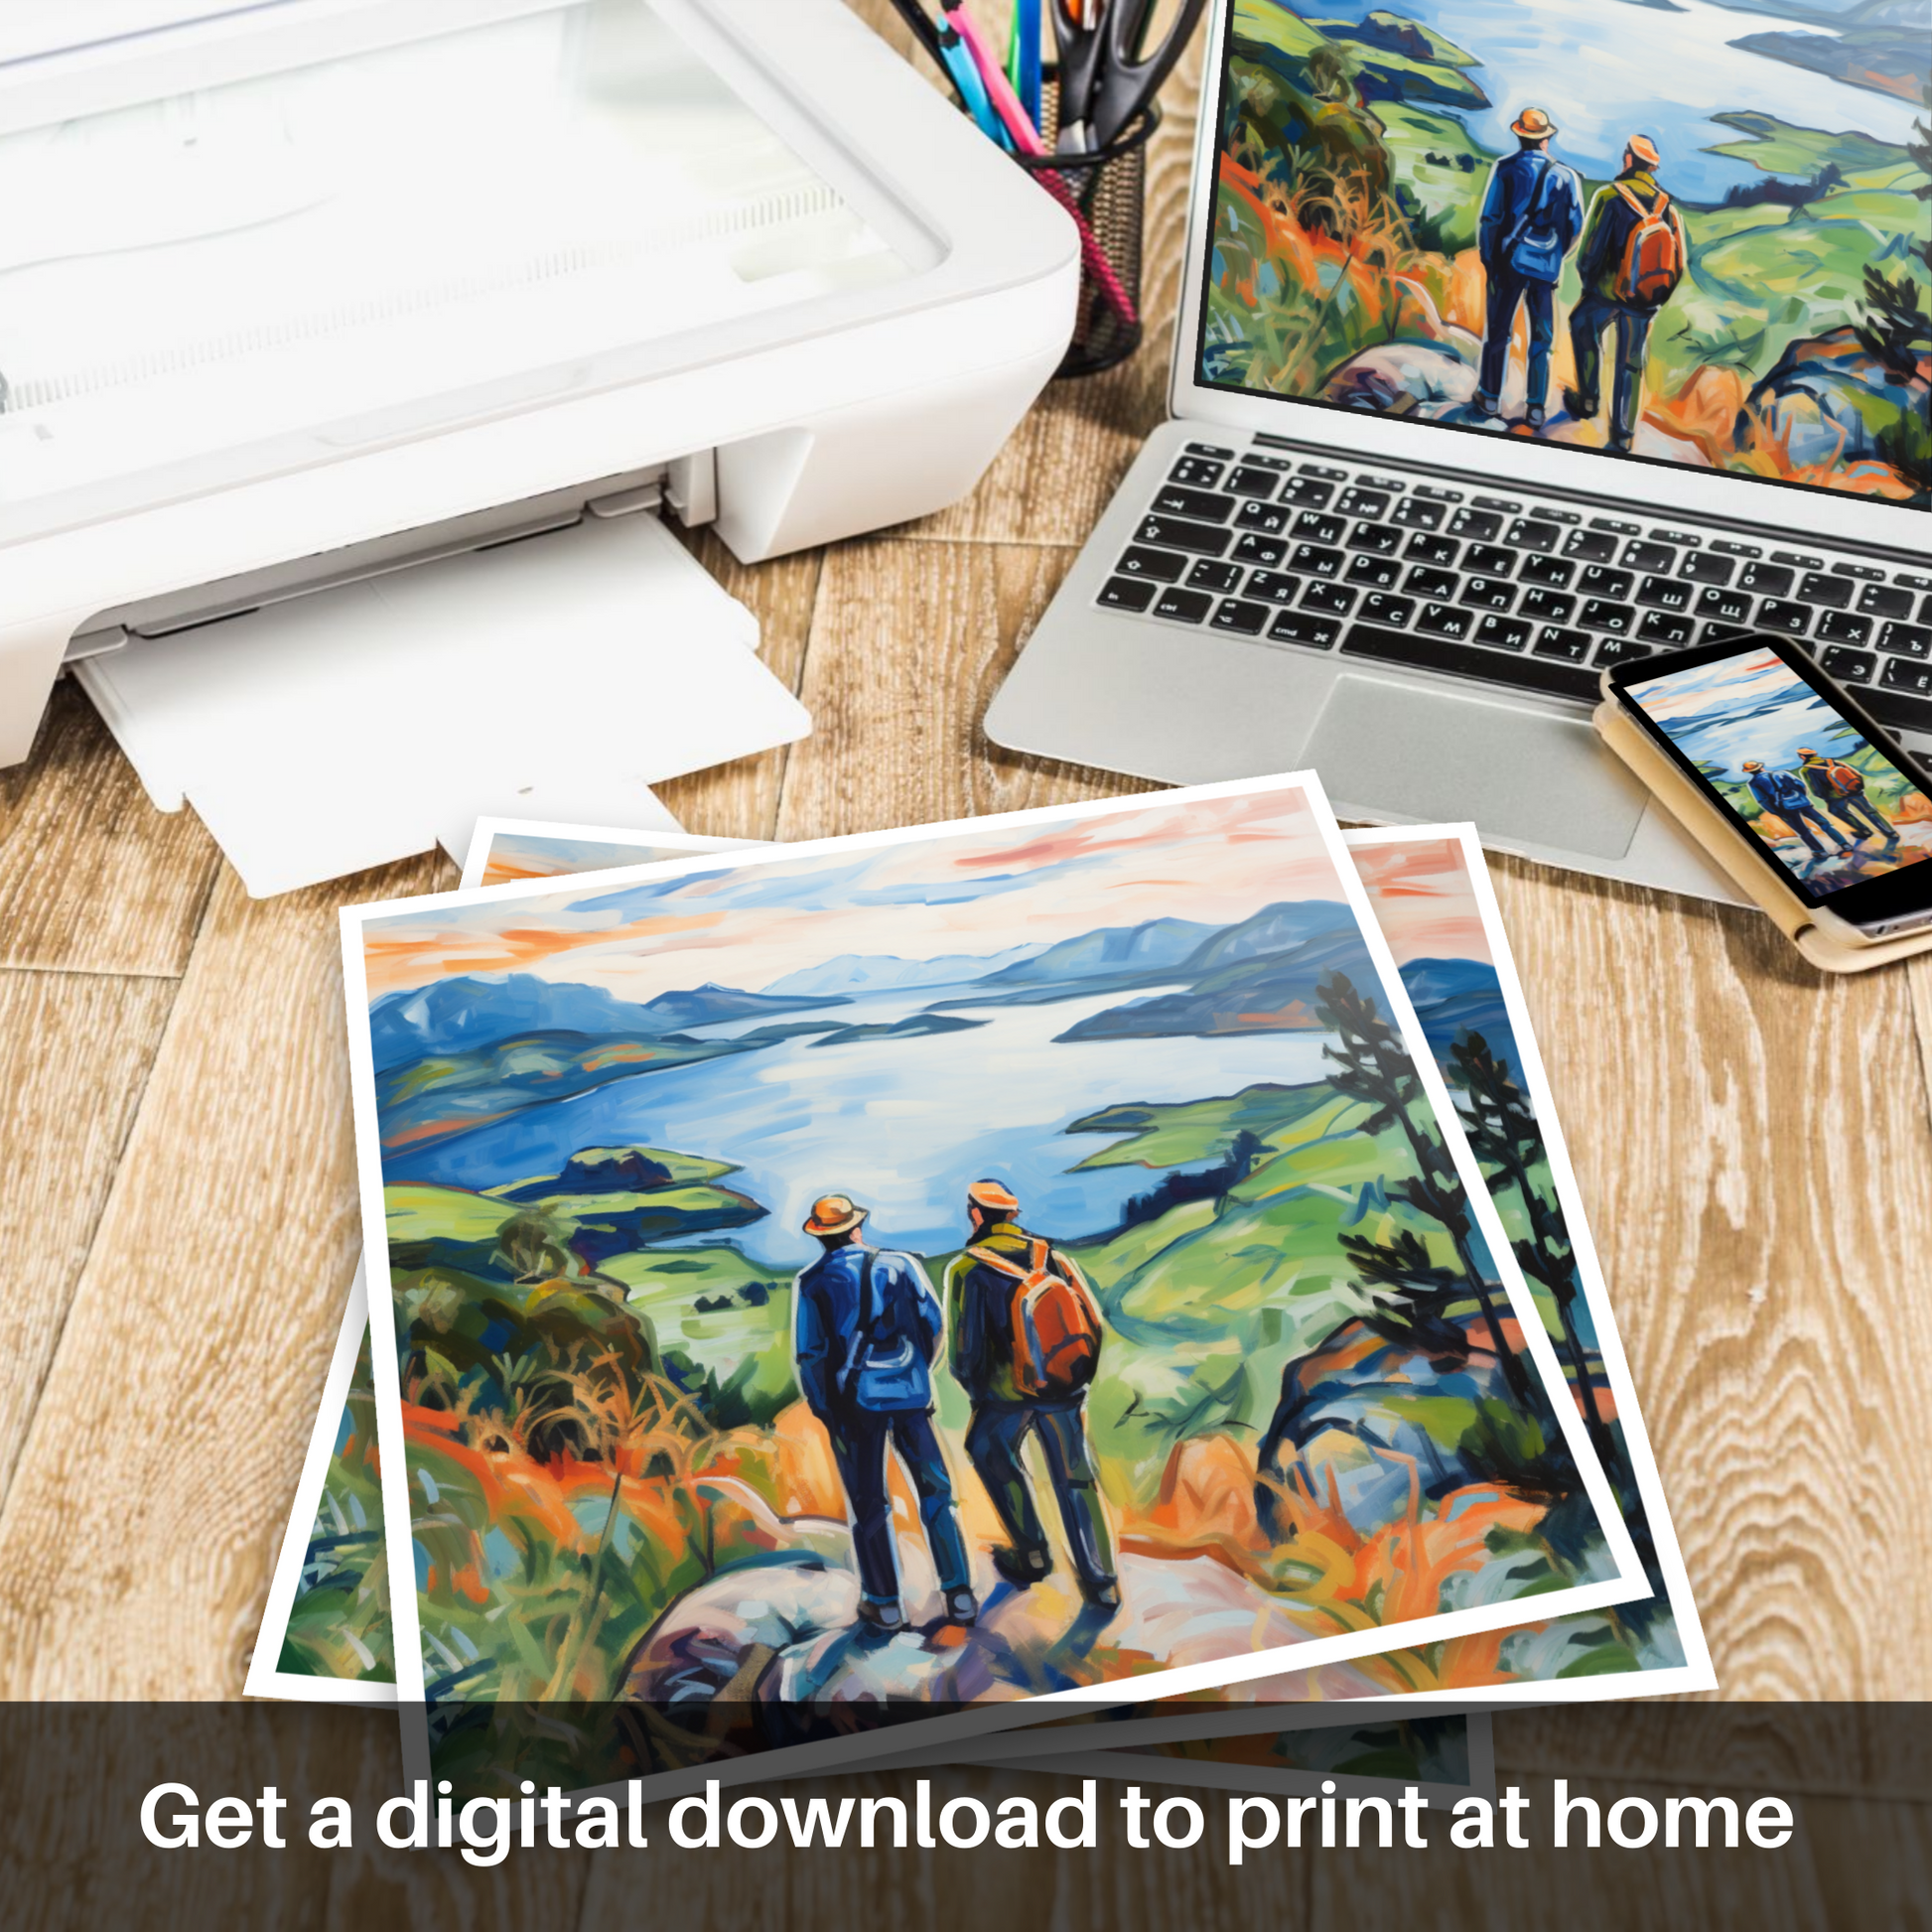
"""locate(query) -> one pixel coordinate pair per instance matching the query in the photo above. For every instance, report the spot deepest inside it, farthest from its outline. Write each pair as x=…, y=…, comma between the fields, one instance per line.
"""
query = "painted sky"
x=528, y=855
x=1749, y=707
x=1214, y=860
x=1424, y=900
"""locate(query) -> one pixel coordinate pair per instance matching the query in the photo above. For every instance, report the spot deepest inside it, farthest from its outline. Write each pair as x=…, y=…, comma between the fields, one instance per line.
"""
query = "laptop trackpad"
x=1543, y=781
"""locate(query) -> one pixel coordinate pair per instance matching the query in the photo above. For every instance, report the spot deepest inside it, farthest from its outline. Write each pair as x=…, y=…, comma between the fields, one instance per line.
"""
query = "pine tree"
x=1503, y=1137
x=1373, y=1065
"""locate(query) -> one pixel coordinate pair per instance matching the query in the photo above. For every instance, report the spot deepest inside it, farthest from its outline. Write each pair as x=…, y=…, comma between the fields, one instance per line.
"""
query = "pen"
x=1023, y=57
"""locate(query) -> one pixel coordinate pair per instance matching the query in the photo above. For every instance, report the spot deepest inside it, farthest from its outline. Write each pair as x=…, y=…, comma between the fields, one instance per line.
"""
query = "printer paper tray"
x=556, y=677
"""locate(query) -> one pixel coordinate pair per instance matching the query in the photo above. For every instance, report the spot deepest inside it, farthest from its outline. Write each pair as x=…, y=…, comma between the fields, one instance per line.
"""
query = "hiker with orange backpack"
x=1630, y=260
x=1026, y=1341
x=1840, y=789
x=866, y=1326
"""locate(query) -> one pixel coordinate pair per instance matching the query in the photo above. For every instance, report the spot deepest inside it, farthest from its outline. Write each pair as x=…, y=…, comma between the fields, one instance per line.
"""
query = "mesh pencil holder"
x=1106, y=193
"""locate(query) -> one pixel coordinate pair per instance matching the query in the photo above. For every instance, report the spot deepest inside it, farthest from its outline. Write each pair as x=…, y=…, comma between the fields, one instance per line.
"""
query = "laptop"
x=1341, y=552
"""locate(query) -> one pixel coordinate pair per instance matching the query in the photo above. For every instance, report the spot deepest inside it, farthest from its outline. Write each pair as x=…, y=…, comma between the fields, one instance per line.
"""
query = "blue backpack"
x=1535, y=249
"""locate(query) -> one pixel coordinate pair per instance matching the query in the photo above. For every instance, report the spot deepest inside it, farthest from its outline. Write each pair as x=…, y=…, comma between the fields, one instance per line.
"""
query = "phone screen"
x=1831, y=809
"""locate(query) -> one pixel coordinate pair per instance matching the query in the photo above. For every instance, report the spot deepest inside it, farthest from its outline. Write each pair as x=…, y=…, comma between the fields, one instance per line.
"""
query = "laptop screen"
x=1691, y=231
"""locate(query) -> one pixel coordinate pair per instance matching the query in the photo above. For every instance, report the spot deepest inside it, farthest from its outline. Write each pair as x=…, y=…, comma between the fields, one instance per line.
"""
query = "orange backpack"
x=1054, y=1323
x=1654, y=253
x=1842, y=778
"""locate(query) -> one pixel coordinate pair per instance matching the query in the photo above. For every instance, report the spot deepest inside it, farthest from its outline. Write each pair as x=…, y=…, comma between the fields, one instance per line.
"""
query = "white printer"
x=310, y=308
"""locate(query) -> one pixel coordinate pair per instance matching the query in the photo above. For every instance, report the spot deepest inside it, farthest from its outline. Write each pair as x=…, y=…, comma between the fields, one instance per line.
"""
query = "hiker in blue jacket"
x=1531, y=219
x=866, y=1326
x=1784, y=793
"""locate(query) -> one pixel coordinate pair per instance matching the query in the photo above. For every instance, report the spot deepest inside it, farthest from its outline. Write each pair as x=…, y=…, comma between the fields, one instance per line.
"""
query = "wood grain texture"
x=150, y=1493
x=74, y=1054
x=93, y=879
x=1752, y=1143
x=909, y=644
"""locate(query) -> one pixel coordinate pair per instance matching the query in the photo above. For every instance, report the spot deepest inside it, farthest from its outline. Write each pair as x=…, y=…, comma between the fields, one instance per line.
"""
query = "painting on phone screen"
x=1831, y=806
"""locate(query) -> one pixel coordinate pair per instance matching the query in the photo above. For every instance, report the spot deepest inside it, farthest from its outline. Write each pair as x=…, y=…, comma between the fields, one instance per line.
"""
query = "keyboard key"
x=1313, y=527
x=1508, y=504
x=1546, y=607
x=1598, y=582
x=1128, y=592
x=1426, y=549
x=1299, y=627
x=1251, y=548
x=1455, y=497
x=1380, y=573
x=1848, y=666
x=1663, y=594
x=1334, y=600
x=1489, y=560
x=1780, y=614
x=1237, y=615
x=1675, y=536
x=1480, y=524
x=1313, y=561
x=1795, y=557
x=1431, y=583
x=1911, y=580
x=1700, y=567
x=1308, y=492
x=1173, y=500
x=1724, y=606
x=1417, y=513
x=1210, y=449
x=1275, y=586
x=1841, y=627
x=1881, y=601
x=1197, y=471
x=1554, y=641
x=1599, y=613
x=1446, y=621
x=1309, y=469
x=1268, y=518
x=1902, y=677
x=1162, y=564
x=1528, y=533
x=1618, y=650
x=1666, y=628
x=1769, y=580
x=1731, y=549
x=1210, y=575
x=1382, y=538
x=1489, y=595
x=1590, y=546
x=1433, y=654
x=1395, y=612
x=1649, y=556
x=1828, y=593
x=1895, y=709
x=1175, y=533
x=1906, y=640
x=1363, y=502
x=1184, y=607
x=1925, y=612
x=1503, y=633
x=1553, y=572
x=1247, y=480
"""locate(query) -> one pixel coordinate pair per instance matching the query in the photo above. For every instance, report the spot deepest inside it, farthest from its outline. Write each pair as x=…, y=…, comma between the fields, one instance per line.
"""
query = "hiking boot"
x=882, y=1616
x=1022, y=1568
x=1103, y=1592
x=962, y=1606
x=1489, y=407
x=1579, y=405
x=1534, y=418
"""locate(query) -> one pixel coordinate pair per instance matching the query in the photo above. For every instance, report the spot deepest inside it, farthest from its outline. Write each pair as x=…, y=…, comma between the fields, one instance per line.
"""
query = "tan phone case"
x=1729, y=846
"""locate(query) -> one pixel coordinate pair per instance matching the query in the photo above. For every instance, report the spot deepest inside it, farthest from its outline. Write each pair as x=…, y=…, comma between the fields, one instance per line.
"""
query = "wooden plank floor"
x=1754, y=1139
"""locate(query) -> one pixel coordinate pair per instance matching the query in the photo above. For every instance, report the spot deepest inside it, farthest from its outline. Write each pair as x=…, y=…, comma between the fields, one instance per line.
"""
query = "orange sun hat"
x=993, y=1195
x=1533, y=124
x=834, y=1214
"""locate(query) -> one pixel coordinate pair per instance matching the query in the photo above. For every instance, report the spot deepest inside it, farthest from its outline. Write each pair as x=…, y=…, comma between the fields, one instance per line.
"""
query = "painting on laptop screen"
x=1693, y=230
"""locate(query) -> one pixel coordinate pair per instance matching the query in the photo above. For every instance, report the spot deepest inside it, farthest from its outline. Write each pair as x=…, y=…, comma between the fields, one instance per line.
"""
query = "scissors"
x=1107, y=75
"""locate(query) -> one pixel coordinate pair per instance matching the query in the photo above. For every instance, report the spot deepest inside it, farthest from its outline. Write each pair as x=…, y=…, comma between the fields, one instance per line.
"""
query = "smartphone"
x=1826, y=797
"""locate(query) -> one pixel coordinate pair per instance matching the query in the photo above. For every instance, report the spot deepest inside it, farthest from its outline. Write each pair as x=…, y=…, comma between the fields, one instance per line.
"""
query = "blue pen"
x=1026, y=65
x=965, y=76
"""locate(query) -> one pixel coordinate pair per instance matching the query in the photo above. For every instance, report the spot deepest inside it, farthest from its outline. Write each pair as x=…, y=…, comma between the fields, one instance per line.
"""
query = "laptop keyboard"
x=1531, y=595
